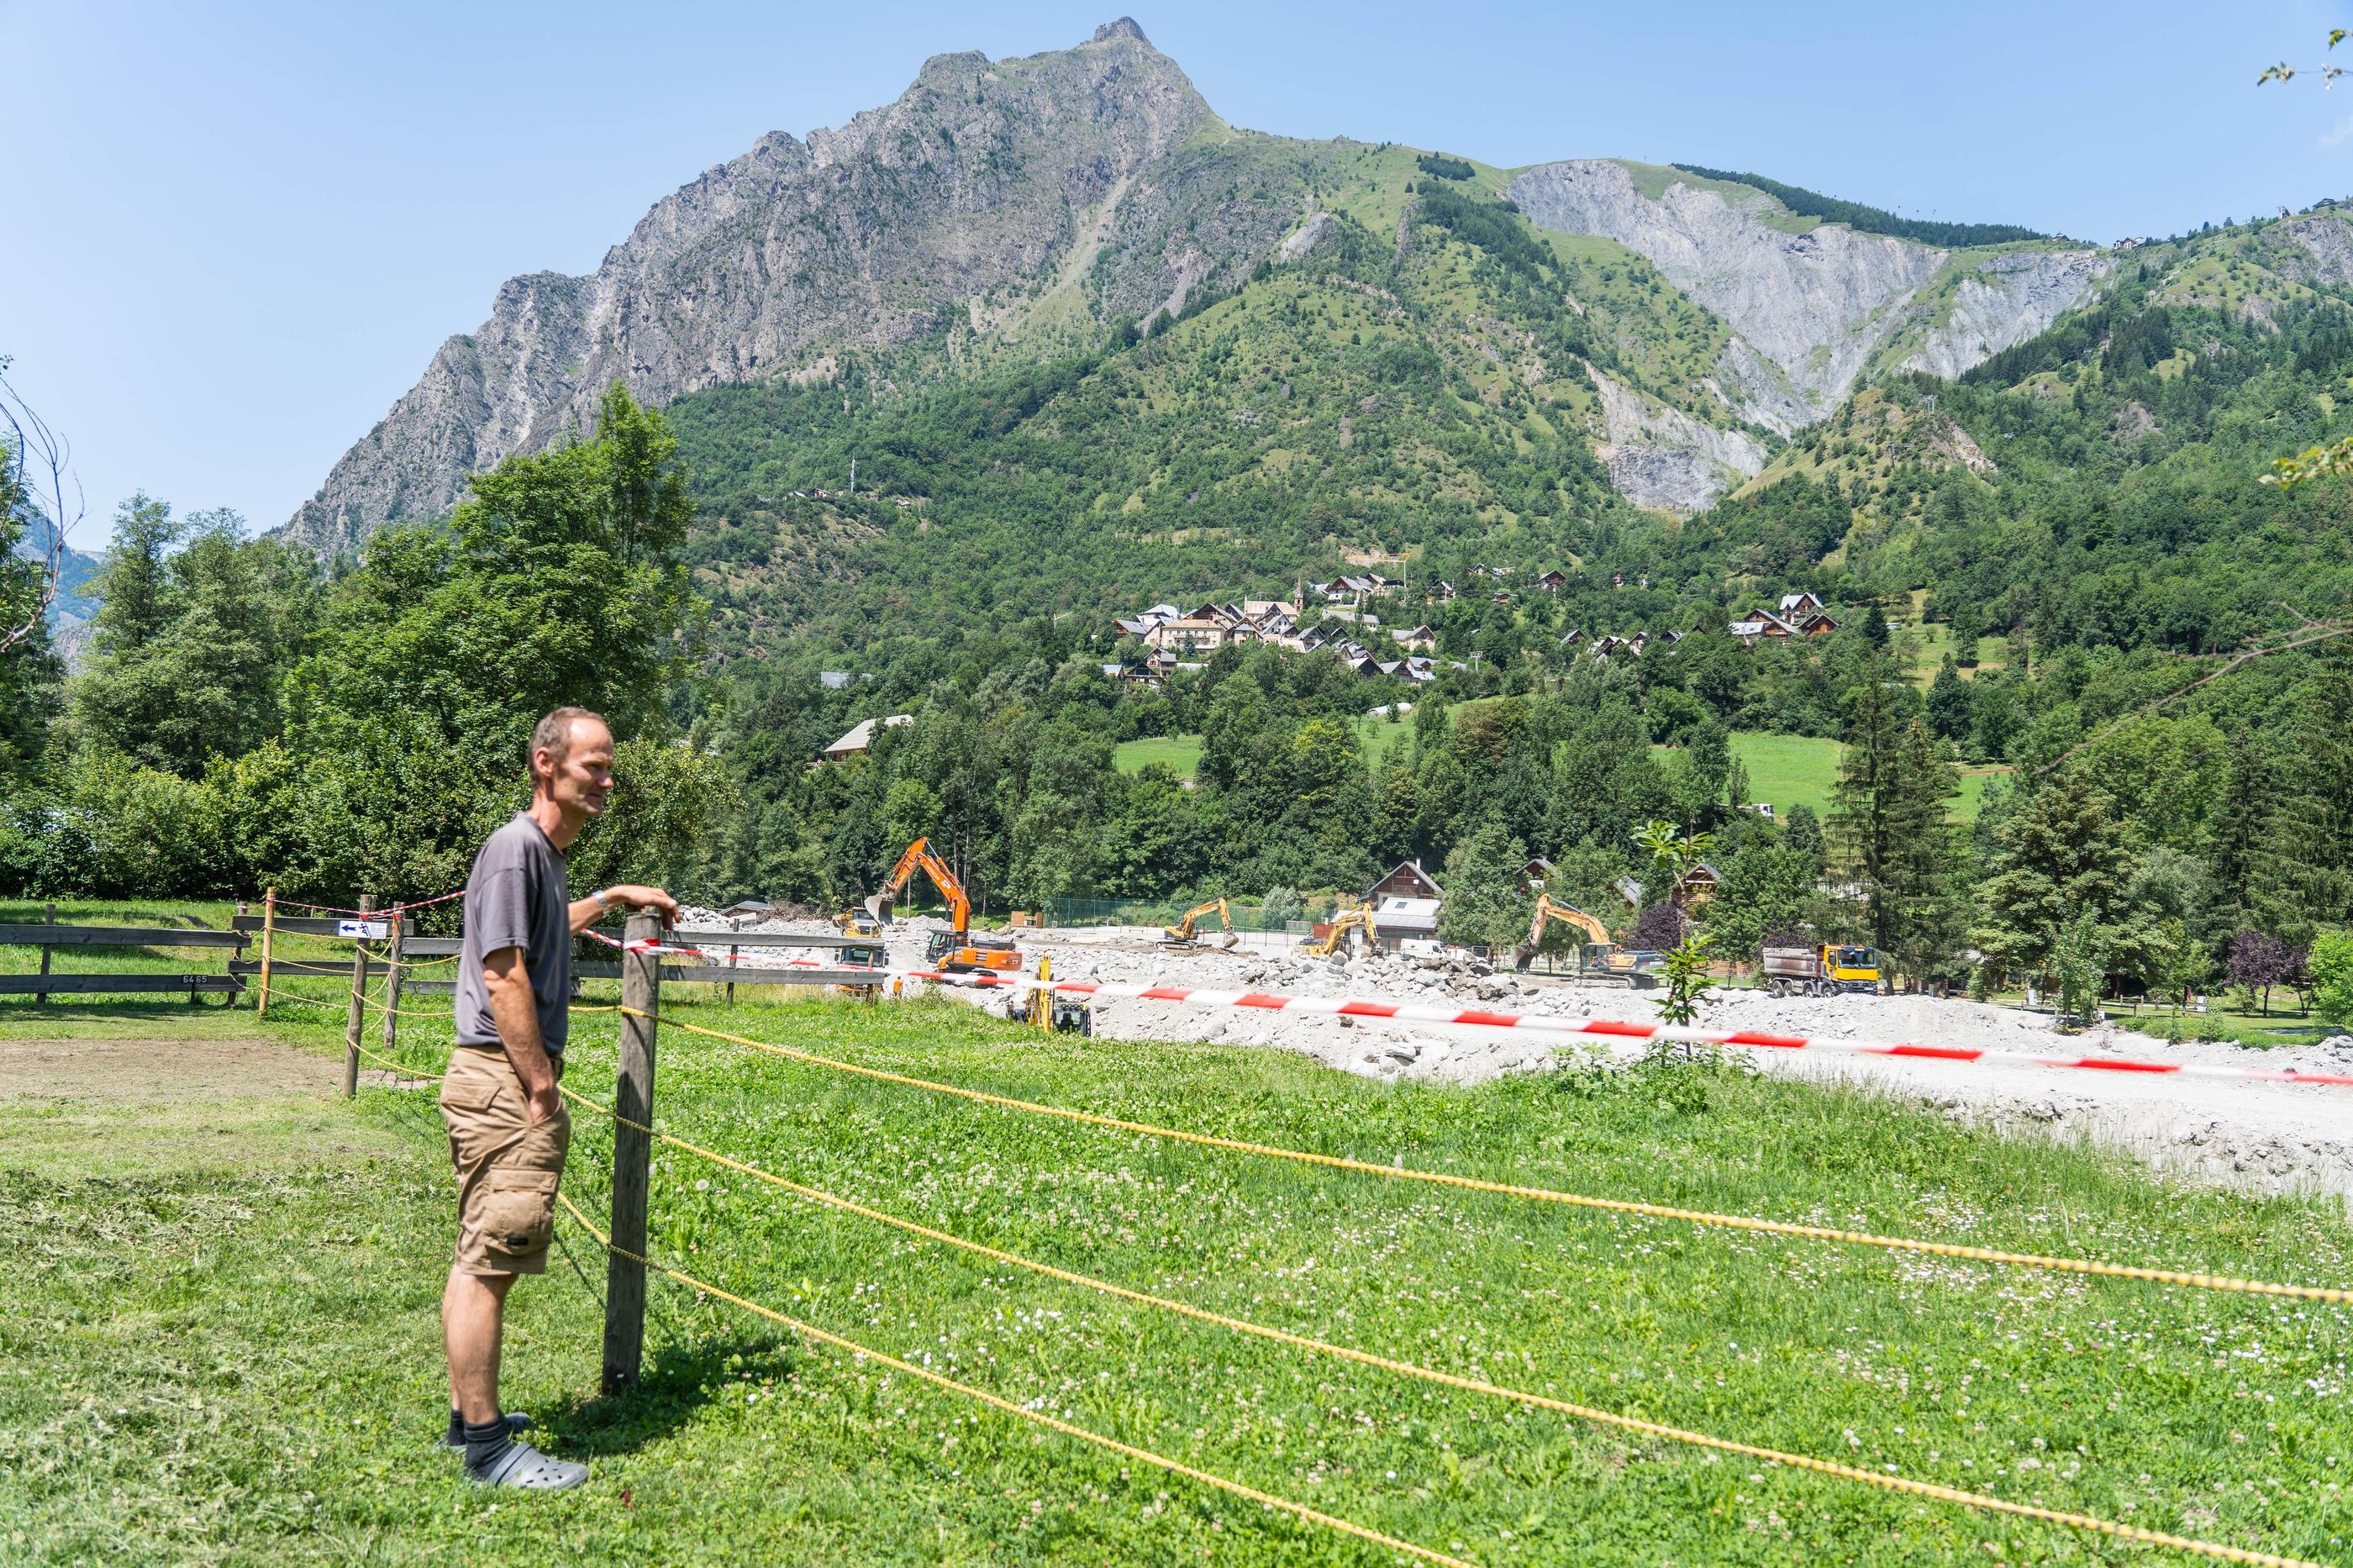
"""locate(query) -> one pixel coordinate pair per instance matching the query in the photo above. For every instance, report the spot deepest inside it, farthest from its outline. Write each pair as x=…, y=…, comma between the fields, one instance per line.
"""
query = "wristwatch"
x=604, y=896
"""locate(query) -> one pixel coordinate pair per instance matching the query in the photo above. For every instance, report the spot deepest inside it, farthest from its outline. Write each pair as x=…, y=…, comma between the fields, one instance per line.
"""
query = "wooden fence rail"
x=49, y=936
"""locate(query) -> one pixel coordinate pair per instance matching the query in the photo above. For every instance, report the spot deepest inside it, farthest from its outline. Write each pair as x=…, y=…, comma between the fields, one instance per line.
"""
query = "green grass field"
x=1935, y=640
x=1381, y=738
x=1789, y=770
x=1785, y=771
x=221, y=1345
x=1181, y=754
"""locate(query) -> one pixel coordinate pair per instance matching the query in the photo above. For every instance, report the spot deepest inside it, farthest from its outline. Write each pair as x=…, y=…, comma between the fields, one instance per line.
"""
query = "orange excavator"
x=956, y=950
x=1551, y=913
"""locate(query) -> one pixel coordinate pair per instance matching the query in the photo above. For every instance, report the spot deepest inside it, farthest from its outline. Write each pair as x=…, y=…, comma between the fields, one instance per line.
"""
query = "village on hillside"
x=1337, y=617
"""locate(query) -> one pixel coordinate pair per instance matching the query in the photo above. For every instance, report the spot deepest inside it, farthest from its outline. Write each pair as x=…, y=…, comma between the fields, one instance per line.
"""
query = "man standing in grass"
x=508, y=1128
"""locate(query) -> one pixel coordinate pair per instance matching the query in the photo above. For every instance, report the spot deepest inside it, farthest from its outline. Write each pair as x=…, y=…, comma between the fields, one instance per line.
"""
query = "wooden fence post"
x=633, y=1098
x=48, y=917
x=269, y=925
x=357, y=1016
x=394, y=953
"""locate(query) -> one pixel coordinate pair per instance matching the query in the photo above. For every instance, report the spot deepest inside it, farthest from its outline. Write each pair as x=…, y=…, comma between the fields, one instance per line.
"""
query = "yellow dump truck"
x=1824, y=971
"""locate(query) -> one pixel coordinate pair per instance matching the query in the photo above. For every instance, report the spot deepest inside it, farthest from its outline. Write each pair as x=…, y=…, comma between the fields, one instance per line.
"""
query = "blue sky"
x=232, y=240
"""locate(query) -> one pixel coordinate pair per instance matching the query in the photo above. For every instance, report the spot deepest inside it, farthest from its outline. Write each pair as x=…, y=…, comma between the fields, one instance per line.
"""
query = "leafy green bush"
x=2331, y=968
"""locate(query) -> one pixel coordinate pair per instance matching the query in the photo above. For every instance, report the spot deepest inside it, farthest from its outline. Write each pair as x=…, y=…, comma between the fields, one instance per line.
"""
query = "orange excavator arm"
x=918, y=855
x=1568, y=915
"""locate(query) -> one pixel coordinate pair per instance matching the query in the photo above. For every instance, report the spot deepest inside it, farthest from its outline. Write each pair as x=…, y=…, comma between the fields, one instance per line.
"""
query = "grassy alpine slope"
x=1419, y=374
x=234, y=1360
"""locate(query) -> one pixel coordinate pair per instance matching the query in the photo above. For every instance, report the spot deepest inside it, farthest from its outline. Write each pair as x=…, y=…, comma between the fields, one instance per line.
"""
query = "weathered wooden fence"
x=51, y=936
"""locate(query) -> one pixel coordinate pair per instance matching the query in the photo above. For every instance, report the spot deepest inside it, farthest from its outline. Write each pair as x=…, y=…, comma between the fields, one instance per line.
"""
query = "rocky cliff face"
x=2314, y=248
x=1998, y=303
x=1813, y=306
x=981, y=176
x=1662, y=457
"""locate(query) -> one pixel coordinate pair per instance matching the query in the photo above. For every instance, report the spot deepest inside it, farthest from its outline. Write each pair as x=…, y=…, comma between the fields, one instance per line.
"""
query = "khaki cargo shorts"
x=507, y=1166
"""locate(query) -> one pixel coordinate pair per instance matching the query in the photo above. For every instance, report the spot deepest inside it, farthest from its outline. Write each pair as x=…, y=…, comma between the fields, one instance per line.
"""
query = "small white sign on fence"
x=373, y=931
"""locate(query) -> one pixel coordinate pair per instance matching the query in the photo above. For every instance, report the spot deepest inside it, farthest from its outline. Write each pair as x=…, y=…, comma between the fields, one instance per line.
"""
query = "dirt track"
x=128, y=1071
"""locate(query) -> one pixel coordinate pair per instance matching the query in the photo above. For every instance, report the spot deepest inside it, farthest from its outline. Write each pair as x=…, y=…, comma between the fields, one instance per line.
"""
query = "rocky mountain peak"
x=867, y=237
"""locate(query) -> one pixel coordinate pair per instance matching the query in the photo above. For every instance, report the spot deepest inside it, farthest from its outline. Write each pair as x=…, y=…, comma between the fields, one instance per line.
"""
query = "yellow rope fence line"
x=1456, y=1381
x=1125, y=1450
x=404, y=1071
x=339, y=1004
x=375, y=956
x=1546, y=1195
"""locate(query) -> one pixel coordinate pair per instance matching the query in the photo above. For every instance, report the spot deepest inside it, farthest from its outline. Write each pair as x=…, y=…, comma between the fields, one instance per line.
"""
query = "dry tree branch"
x=44, y=461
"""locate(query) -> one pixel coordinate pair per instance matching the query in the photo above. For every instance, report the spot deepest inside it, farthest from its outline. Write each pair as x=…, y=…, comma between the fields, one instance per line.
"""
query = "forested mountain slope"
x=1399, y=389
x=2097, y=485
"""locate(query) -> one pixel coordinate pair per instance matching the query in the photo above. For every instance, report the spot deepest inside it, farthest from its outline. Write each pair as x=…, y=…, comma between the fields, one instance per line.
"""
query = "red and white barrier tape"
x=1440, y=1013
x=372, y=914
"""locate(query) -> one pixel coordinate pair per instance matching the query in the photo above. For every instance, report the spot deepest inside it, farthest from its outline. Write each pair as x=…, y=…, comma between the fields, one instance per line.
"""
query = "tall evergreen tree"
x=192, y=646
x=1890, y=828
x=2252, y=881
x=125, y=697
x=2060, y=852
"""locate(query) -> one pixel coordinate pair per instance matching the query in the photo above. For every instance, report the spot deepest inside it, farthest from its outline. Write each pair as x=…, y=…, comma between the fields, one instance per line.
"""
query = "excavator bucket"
x=1227, y=941
x=878, y=911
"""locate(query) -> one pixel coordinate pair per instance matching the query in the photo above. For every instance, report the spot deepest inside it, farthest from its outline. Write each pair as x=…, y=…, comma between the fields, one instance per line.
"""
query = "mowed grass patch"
x=1181, y=754
x=1382, y=739
x=243, y=1367
x=1787, y=771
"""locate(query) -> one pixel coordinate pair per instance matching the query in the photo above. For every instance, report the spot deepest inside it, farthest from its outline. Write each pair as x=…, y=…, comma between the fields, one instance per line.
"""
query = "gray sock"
x=487, y=1442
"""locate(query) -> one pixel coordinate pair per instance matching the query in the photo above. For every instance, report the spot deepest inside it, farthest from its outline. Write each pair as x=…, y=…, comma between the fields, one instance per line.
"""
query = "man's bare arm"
x=515, y=1011
x=585, y=912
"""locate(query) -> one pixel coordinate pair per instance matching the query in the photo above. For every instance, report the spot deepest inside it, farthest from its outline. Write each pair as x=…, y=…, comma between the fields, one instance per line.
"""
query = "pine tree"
x=2251, y=880
x=126, y=695
x=1951, y=713
x=1925, y=927
x=1735, y=785
x=1890, y=830
x=2060, y=853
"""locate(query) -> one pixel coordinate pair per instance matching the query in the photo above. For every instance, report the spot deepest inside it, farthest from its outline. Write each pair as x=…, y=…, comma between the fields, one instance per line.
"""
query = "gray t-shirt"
x=517, y=897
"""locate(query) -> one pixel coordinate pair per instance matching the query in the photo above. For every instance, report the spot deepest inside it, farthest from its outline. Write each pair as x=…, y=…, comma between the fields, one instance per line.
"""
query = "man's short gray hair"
x=552, y=734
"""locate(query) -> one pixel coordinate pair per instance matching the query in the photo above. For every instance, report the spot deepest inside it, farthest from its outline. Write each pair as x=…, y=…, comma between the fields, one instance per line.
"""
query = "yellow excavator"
x=1181, y=934
x=1547, y=913
x=956, y=950
x=1357, y=922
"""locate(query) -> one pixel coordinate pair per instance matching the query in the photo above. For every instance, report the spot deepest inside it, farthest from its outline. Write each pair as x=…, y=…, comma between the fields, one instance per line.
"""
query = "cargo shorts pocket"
x=518, y=1211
